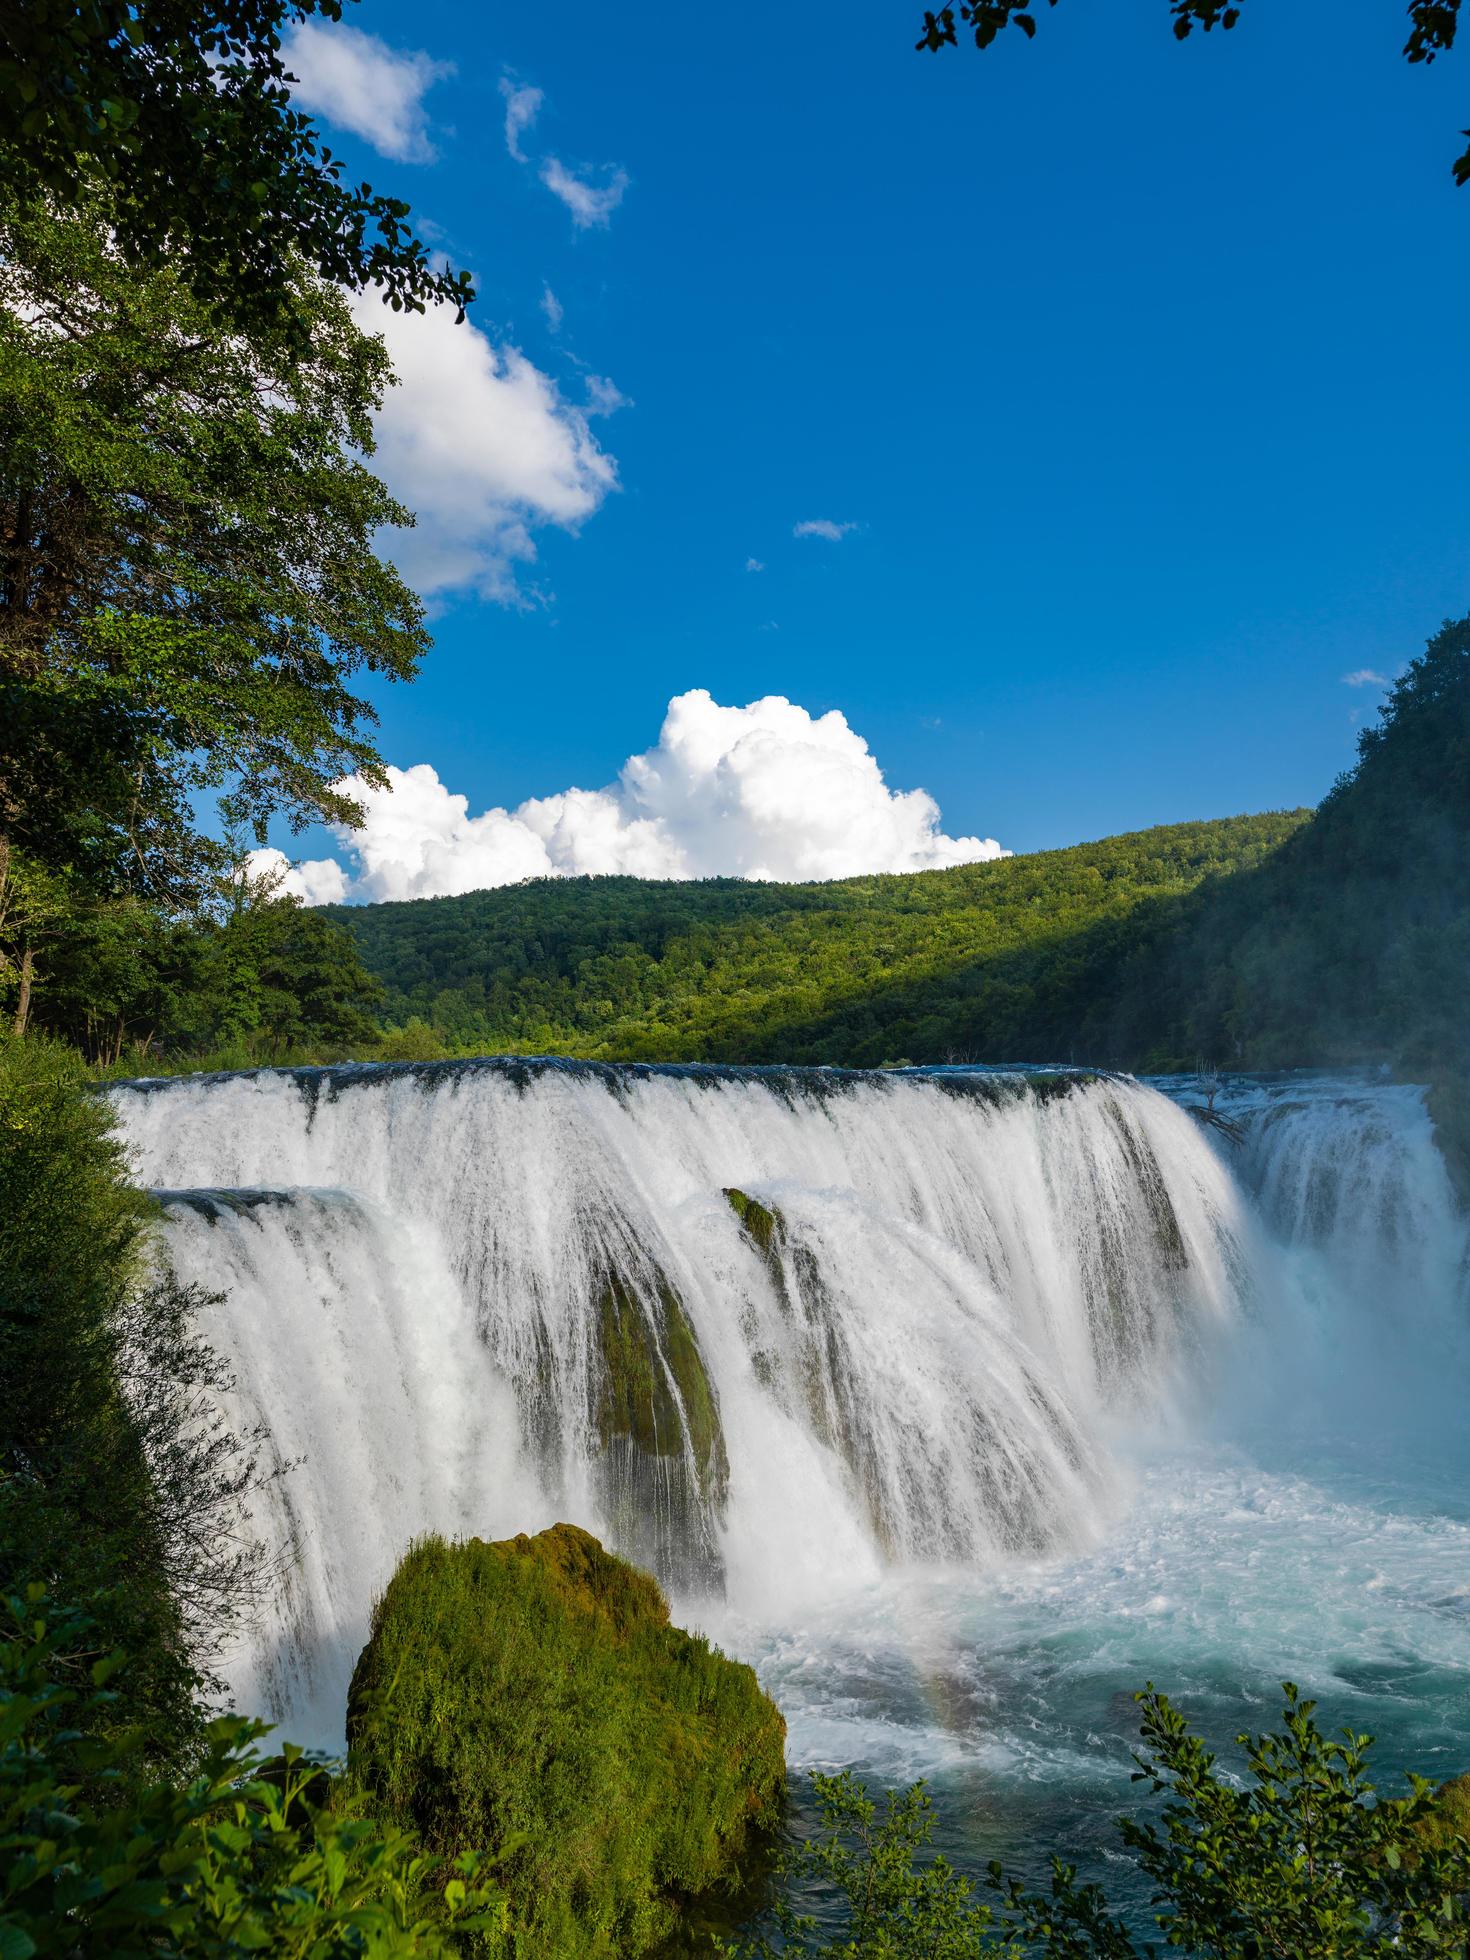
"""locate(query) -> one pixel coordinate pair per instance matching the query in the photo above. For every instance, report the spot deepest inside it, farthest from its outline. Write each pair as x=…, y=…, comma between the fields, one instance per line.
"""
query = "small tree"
x=1298, y=1860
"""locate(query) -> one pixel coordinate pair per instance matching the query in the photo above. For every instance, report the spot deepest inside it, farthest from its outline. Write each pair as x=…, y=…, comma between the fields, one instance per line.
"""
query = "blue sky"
x=1133, y=365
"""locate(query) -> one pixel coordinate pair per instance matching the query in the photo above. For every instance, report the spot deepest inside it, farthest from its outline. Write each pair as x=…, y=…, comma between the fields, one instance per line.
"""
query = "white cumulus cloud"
x=589, y=203
x=767, y=791
x=319, y=881
x=359, y=83
x=552, y=307
x=480, y=444
x=522, y=106
x=1365, y=677
x=822, y=527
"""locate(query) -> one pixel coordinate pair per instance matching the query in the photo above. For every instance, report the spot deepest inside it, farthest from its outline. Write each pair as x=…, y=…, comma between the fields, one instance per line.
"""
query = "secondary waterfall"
x=775, y=1333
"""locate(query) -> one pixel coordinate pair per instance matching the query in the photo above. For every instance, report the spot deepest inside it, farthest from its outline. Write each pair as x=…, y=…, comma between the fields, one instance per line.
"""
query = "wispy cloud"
x=359, y=83
x=822, y=527
x=590, y=204
x=754, y=565
x=522, y=106
x=1365, y=677
x=604, y=397
x=552, y=307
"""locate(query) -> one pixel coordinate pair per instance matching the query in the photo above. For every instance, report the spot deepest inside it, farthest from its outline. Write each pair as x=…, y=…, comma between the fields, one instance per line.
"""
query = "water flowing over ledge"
x=773, y=1332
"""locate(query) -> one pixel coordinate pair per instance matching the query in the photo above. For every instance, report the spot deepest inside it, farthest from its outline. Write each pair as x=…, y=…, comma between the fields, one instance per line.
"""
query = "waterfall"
x=766, y=1331
x=1370, y=1290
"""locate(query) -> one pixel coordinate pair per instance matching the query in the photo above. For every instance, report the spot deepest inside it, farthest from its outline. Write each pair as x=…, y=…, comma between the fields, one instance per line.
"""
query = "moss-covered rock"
x=1450, y=1817
x=530, y=1699
x=764, y=1225
x=664, y=1467
x=653, y=1388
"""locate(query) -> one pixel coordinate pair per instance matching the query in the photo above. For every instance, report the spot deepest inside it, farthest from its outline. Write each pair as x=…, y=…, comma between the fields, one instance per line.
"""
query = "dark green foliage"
x=1432, y=25
x=531, y=1699
x=1299, y=1860
x=180, y=108
x=120, y=1486
x=240, y=1859
x=76, y=1504
x=126, y=985
x=987, y=962
x=1352, y=942
x=274, y=975
x=865, y=1855
x=188, y=581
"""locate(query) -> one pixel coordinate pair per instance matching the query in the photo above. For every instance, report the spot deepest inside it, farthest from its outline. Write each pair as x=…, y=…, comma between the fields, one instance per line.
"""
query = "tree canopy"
x=180, y=112
x=1432, y=25
x=190, y=588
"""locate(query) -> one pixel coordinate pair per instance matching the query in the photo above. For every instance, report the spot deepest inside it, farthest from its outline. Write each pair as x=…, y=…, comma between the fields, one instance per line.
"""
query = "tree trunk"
x=27, y=974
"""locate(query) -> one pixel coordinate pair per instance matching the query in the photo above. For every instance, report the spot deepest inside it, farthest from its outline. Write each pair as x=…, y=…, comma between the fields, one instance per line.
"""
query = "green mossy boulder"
x=530, y=1699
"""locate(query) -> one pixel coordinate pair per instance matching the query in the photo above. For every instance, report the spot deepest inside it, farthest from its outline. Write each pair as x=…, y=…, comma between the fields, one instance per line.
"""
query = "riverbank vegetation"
x=121, y=1488
x=1291, y=1853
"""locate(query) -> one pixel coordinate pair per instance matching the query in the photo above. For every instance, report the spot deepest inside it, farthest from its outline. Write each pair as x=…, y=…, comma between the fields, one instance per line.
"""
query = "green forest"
x=959, y=965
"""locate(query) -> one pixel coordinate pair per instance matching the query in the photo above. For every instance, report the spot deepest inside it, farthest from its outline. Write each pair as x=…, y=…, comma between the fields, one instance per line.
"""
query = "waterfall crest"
x=765, y=1331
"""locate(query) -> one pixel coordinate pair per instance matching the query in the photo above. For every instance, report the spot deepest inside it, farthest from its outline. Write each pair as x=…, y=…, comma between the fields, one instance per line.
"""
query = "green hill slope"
x=987, y=961
x=1254, y=942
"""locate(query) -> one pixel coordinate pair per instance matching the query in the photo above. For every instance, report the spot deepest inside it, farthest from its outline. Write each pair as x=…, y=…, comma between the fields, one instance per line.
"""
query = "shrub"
x=1298, y=1860
x=234, y=1861
x=530, y=1697
x=120, y=1486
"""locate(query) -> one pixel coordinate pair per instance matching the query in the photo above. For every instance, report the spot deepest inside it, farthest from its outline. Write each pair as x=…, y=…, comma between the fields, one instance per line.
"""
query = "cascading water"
x=962, y=1404
x=476, y=1297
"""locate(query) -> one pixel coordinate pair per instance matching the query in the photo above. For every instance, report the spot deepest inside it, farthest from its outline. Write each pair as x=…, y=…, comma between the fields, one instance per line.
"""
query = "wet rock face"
x=663, y=1466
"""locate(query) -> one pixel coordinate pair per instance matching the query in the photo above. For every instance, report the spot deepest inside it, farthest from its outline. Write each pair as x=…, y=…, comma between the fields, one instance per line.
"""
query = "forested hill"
x=985, y=961
x=1252, y=942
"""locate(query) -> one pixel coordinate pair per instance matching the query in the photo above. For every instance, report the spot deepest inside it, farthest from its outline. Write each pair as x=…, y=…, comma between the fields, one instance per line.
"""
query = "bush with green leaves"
x=530, y=1699
x=1298, y=1858
x=121, y=1487
x=238, y=1859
